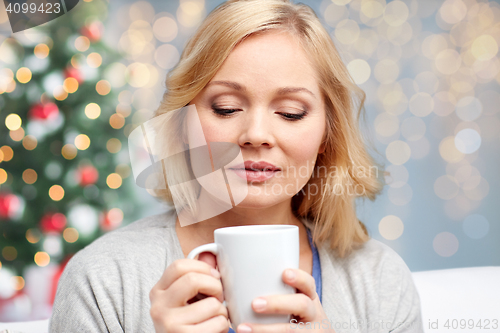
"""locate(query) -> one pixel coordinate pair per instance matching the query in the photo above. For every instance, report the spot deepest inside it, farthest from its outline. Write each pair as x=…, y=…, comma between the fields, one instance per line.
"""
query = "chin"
x=261, y=200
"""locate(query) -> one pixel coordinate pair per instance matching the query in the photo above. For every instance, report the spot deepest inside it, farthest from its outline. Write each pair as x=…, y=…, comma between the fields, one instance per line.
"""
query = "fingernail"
x=290, y=275
x=244, y=329
x=259, y=304
x=215, y=273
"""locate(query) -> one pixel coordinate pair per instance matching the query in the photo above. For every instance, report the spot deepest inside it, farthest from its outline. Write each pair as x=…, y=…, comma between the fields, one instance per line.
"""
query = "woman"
x=264, y=75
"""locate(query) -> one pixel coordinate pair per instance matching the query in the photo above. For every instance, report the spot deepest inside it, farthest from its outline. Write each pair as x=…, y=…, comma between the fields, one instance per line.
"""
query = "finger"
x=218, y=324
x=181, y=267
x=209, y=258
x=300, y=280
x=299, y=305
x=189, y=285
x=200, y=311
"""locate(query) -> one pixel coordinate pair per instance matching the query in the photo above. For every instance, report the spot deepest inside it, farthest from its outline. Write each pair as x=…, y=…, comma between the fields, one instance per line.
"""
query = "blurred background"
x=72, y=90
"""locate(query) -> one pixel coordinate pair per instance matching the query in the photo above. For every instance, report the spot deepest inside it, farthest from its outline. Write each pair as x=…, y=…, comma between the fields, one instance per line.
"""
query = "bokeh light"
x=94, y=60
x=56, y=192
x=69, y=151
x=17, y=135
x=391, y=227
x=165, y=29
x=445, y=244
x=484, y=47
x=114, y=145
x=70, y=85
x=467, y=141
x=92, y=110
x=82, y=141
x=41, y=51
x=453, y=11
x=3, y=176
x=166, y=56
x=116, y=121
x=103, y=87
x=9, y=253
x=29, y=176
x=18, y=282
x=33, y=235
x=114, y=181
x=360, y=70
x=42, y=259
x=70, y=235
x=398, y=152
x=13, y=122
x=30, y=142
x=396, y=13
x=23, y=75
x=82, y=43
x=347, y=31
x=8, y=153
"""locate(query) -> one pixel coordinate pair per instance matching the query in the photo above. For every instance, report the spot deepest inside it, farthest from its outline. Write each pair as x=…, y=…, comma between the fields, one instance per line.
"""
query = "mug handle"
x=212, y=248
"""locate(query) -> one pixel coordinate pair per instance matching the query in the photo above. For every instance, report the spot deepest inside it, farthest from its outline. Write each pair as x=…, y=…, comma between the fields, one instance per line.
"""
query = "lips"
x=257, y=166
x=255, y=171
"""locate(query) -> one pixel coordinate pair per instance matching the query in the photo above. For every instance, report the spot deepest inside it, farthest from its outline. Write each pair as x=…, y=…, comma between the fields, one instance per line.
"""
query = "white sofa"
x=452, y=297
x=449, y=299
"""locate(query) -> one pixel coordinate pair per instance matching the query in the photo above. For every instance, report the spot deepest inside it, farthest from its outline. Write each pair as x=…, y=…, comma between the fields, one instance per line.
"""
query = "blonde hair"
x=333, y=214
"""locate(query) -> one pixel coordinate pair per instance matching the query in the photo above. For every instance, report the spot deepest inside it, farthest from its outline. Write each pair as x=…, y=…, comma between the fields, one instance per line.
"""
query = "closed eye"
x=293, y=116
x=224, y=112
x=287, y=116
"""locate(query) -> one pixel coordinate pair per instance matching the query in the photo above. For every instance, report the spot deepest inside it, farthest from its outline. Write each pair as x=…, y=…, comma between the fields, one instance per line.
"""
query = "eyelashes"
x=226, y=113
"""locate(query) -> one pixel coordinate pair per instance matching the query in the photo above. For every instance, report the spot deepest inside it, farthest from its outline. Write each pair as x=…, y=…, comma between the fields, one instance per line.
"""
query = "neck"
x=238, y=216
x=280, y=213
x=196, y=234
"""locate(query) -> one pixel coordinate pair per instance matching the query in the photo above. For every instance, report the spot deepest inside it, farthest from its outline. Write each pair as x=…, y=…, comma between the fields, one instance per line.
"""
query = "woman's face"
x=266, y=99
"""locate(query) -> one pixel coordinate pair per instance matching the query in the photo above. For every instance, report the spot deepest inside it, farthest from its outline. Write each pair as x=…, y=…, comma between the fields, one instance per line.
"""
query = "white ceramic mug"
x=251, y=260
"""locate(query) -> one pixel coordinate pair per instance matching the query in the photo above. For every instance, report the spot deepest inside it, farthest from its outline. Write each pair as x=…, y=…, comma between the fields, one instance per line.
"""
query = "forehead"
x=274, y=56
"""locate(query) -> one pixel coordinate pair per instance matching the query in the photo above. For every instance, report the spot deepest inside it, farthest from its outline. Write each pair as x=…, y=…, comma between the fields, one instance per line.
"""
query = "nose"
x=257, y=129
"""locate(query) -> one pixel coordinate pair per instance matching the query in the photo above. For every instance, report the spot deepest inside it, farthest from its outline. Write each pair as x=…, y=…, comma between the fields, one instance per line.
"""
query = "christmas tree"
x=63, y=133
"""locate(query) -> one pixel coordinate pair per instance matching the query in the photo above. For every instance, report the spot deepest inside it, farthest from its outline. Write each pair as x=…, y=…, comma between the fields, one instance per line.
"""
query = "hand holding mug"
x=305, y=307
x=172, y=309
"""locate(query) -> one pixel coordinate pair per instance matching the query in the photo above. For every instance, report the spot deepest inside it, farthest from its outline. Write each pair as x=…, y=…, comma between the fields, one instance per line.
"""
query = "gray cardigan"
x=105, y=286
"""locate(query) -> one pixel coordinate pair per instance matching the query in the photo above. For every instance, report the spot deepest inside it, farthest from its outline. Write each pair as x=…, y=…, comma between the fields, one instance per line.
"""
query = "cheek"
x=213, y=131
x=302, y=146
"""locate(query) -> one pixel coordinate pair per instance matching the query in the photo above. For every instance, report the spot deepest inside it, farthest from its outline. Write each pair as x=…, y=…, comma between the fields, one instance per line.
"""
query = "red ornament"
x=93, y=31
x=53, y=222
x=73, y=72
x=87, y=175
x=9, y=205
x=43, y=111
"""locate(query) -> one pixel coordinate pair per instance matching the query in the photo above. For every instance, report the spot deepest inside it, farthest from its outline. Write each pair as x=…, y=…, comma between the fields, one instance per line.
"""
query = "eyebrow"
x=280, y=91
